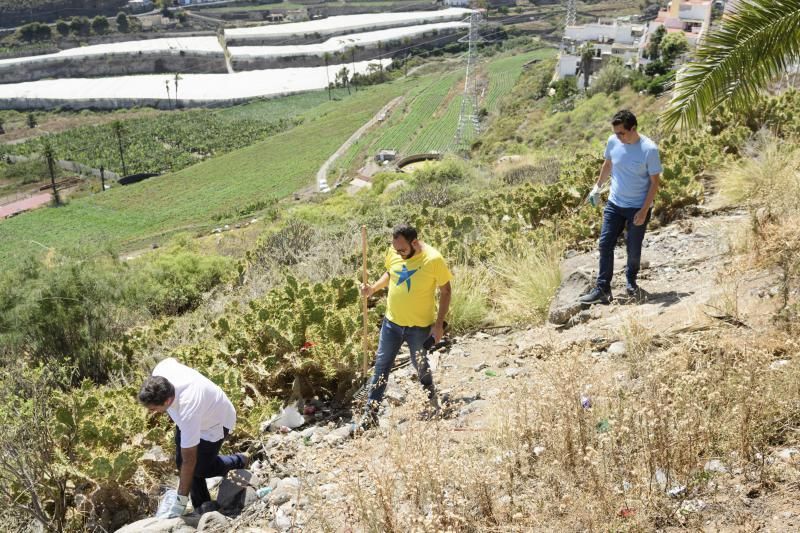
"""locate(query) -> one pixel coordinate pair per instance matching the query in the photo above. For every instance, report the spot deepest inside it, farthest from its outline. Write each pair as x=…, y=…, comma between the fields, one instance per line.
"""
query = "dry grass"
x=525, y=283
x=544, y=463
x=469, y=305
x=769, y=183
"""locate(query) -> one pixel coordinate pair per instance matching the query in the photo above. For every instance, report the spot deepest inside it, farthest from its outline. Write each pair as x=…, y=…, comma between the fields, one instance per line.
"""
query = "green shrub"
x=448, y=170
x=382, y=179
x=173, y=282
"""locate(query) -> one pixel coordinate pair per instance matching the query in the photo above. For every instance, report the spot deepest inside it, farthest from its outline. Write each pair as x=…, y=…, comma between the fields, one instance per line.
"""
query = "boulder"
x=394, y=186
x=183, y=524
x=339, y=435
x=231, y=490
x=617, y=348
x=213, y=521
x=566, y=302
x=285, y=491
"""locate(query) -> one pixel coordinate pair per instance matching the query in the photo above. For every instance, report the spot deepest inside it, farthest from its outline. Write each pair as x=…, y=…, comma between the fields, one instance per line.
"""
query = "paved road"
x=23, y=205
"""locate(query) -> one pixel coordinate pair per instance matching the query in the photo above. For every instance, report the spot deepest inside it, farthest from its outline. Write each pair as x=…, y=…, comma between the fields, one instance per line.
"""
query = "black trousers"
x=209, y=464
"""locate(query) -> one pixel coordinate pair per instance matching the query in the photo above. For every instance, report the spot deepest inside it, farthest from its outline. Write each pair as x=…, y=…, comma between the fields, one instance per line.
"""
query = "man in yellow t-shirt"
x=414, y=270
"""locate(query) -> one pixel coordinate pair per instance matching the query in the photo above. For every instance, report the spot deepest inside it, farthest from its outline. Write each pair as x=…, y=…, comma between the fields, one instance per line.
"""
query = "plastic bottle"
x=586, y=401
x=167, y=501
x=263, y=492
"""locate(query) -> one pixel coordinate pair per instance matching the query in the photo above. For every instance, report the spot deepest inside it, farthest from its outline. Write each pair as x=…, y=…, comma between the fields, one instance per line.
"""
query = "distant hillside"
x=16, y=12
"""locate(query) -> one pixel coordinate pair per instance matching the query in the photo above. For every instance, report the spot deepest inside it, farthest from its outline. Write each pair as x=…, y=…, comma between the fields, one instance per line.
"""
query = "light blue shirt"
x=631, y=168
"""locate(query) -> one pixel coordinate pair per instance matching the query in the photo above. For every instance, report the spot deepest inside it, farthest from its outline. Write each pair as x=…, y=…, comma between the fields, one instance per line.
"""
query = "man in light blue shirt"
x=633, y=163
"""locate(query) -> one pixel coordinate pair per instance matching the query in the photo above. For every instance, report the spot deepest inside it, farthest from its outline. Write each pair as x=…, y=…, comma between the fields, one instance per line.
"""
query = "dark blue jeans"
x=616, y=220
x=209, y=464
x=392, y=338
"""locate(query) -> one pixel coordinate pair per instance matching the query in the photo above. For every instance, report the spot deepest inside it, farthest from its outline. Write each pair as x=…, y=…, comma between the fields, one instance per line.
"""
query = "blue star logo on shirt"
x=405, y=277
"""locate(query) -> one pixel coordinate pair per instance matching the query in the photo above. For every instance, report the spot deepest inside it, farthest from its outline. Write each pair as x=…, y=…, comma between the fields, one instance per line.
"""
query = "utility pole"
x=48, y=154
x=117, y=127
x=353, y=60
x=469, y=98
x=571, y=13
x=326, y=56
x=102, y=178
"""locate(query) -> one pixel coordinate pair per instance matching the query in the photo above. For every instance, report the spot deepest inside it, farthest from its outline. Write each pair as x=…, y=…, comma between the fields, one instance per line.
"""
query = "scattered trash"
x=627, y=512
x=677, y=491
x=263, y=491
x=715, y=465
x=693, y=506
x=491, y=373
x=289, y=417
x=167, y=501
x=661, y=478
x=309, y=410
x=586, y=402
x=780, y=363
x=603, y=426
x=538, y=450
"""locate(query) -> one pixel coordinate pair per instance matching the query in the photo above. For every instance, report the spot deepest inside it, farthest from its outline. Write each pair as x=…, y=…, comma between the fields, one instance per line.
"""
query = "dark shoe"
x=368, y=421
x=632, y=290
x=208, y=507
x=596, y=296
x=245, y=460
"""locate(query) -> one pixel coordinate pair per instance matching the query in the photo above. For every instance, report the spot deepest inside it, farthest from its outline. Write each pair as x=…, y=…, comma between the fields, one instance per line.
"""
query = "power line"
x=469, y=98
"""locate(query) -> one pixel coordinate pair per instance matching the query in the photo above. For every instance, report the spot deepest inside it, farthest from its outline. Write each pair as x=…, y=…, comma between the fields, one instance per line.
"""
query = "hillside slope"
x=675, y=391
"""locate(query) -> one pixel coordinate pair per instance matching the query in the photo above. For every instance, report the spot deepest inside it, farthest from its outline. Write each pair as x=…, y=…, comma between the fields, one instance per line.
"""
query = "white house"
x=457, y=3
x=609, y=38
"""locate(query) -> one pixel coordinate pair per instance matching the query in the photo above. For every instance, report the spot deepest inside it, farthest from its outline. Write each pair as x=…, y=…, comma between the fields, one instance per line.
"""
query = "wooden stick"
x=364, y=340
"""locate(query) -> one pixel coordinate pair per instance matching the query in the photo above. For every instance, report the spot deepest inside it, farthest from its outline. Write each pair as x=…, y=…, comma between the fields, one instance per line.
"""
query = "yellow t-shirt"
x=412, y=286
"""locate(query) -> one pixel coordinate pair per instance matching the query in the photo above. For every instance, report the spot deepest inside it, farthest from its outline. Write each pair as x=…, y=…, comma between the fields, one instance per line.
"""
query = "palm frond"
x=734, y=63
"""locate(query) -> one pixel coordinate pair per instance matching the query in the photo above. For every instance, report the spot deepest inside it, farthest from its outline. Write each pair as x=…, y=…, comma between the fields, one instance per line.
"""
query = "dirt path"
x=322, y=173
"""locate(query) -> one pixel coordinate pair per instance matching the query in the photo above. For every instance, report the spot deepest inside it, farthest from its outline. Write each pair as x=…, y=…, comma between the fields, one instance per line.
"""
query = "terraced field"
x=428, y=120
x=201, y=196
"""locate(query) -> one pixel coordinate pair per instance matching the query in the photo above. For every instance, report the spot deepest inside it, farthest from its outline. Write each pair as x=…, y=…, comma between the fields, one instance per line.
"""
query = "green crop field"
x=239, y=182
x=171, y=141
x=197, y=197
x=428, y=119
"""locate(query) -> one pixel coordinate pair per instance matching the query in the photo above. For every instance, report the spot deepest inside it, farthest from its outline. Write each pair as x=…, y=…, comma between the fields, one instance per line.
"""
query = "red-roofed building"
x=692, y=17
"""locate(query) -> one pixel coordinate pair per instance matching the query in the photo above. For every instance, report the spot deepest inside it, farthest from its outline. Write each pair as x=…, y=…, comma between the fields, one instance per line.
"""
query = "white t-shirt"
x=201, y=409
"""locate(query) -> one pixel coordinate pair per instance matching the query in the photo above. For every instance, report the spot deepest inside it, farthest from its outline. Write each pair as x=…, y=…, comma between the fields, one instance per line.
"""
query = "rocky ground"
x=687, y=287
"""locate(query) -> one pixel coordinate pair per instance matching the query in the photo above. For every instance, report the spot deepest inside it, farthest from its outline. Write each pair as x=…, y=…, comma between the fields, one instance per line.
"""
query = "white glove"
x=594, y=196
x=173, y=509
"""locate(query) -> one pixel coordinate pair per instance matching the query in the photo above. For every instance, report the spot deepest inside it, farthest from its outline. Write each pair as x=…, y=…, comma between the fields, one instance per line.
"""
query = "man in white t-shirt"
x=203, y=417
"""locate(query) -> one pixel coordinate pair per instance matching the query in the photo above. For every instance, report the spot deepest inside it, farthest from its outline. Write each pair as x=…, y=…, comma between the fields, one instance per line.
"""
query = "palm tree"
x=587, y=55
x=735, y=62
x=177, y=78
